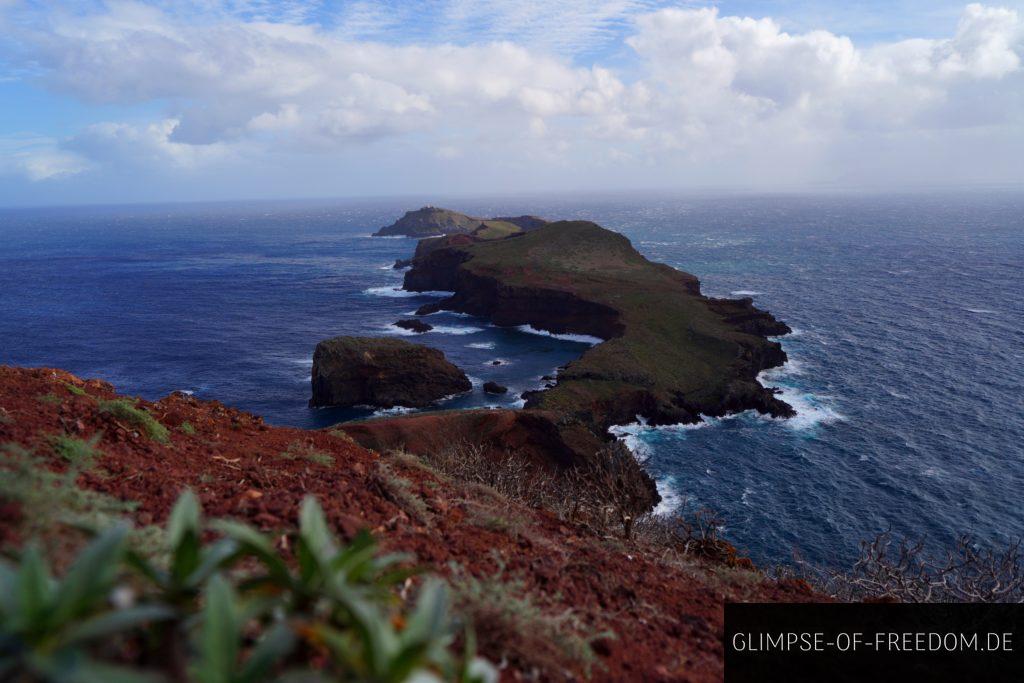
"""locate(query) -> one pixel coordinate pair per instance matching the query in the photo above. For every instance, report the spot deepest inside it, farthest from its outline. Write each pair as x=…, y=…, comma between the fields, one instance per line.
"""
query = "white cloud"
x=38, y=158
x=150, y=145
x=703, y=90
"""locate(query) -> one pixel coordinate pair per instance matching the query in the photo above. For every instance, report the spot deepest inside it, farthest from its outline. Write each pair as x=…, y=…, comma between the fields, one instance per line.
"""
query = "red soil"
x=667, y=620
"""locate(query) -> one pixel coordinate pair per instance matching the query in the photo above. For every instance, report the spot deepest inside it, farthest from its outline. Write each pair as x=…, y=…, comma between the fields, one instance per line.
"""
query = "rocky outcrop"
x=351, y=371
x=413, y=325
x=431, y=220
x=494, y=388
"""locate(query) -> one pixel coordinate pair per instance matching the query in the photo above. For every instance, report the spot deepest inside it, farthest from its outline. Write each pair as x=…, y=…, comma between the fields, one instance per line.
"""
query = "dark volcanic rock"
x=494, y=388
x=414, y=325
x=351, y=371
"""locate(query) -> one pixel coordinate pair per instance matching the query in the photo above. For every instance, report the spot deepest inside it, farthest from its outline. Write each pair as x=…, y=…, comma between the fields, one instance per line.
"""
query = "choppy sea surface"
x=906, y=370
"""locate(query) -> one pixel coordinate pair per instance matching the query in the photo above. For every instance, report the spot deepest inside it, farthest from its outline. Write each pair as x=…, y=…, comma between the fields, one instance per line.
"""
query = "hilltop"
x=432, y=221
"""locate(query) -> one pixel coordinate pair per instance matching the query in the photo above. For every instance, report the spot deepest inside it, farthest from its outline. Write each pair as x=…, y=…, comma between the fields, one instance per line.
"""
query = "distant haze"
x=127, y=101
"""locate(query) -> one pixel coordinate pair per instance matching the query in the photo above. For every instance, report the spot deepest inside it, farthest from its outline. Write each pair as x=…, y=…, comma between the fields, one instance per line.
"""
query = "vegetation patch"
x=187, y=428
x=303, y=451
x=50, y=399
x=77, y=391
x=125, y=410
x=399, y=490
x=75, y=451
x=507, y=620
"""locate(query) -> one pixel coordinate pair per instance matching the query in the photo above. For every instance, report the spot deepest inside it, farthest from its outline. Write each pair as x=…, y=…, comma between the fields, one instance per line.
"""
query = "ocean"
x=906, y=362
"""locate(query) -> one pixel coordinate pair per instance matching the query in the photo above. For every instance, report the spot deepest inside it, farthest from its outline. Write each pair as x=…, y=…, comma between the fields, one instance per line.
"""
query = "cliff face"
x=670, y=354
x=350, y=371
x=539, y=437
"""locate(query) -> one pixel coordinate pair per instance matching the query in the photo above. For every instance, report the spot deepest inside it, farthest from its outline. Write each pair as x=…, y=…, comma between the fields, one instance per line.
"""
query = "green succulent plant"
x=48, y=626
x=231, y=610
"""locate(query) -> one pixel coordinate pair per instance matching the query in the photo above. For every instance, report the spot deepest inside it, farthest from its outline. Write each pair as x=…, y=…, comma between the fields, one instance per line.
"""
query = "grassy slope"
x=672, y=340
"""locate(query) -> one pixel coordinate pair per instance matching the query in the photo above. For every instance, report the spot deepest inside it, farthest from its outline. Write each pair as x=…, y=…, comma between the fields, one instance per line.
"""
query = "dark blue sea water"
x=907, y=365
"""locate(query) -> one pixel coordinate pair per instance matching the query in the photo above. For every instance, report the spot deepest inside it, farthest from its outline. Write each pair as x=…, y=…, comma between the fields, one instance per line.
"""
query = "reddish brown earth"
x=666, y=616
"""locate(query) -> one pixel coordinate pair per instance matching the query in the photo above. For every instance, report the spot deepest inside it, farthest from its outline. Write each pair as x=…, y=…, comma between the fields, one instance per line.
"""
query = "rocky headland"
x=352, y=371
x=669, y=354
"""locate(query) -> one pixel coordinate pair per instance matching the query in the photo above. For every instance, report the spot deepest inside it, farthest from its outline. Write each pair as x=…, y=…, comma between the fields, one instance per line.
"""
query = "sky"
x=129, y=101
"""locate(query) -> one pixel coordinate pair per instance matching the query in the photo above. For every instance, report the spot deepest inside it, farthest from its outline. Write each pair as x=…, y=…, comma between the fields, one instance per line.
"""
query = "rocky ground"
x=552, y=598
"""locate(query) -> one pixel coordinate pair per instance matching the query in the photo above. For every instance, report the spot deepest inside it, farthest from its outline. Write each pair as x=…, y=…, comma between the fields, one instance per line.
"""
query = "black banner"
x=874, y=642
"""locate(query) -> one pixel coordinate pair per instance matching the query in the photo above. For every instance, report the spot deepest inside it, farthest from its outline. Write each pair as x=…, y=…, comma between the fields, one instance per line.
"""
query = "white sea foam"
x=389, y=237
x=633, y=434
x=671, y=498
x=481, y=345
x=791, y=367
x=811, y=410
x=500, y=361
x=518, y=403
x=395, y=329
x=457, y=314
x=397, y=410
x=187, y=392
x=983, y=311
x=745, y=498
x=449, y=329
x=399, y=293
x=746, y=292
x=308, y=361
x=579, y=338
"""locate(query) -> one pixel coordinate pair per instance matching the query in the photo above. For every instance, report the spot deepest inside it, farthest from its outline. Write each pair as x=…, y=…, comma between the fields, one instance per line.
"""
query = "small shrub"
x=75, y=451
x=77, y=391
x=398, y=489
x=299, y=450
x=126, y=411
x=341, y=434
x=905, y=571
x=508, y=621
x=187, y=428
x=50, y=398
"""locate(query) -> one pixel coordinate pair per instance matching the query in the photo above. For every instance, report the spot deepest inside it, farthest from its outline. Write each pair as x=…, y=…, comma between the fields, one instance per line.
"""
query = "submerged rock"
x=414, y=325
x=351, y=371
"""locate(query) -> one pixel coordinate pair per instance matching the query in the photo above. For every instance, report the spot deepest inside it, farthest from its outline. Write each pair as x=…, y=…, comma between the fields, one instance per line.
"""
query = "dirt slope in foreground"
x=663, y=610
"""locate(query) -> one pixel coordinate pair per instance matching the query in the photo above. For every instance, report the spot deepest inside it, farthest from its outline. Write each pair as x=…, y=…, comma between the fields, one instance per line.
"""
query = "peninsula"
x=669, y=355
